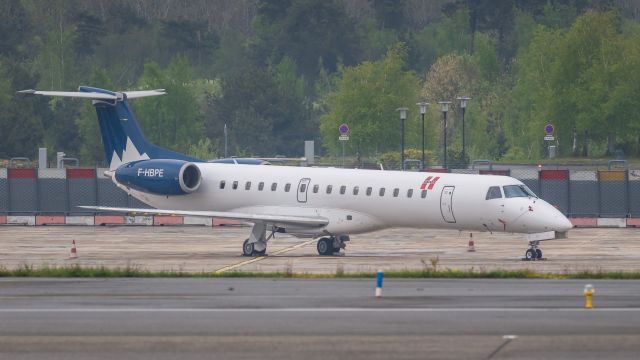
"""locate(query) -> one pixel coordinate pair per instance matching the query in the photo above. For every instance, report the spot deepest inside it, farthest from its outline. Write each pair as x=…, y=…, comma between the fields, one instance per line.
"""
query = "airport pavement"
x=316, y=319
x=206, y=249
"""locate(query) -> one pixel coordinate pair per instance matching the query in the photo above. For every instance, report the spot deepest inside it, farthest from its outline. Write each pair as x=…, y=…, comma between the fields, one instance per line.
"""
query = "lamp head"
x=444, y=105
x=463, y=101
x=423, y=107
x=403, y=113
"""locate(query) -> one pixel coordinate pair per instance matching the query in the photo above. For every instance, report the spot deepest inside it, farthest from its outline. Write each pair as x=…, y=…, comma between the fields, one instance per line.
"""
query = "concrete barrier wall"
x=108, y=193
x=634, y=193
x=613, y=193
x=554, y=188
x=82, y=189
x=4, y=192
x=52, y=191
x=580, y=184
x=23, y=190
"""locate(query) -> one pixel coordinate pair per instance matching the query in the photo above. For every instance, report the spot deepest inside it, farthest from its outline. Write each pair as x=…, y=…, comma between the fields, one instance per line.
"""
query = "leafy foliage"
x=365, y=98
x=280, y=72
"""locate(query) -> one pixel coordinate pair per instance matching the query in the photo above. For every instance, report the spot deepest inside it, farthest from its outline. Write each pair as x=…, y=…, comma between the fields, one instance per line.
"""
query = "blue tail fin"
x=121, y=136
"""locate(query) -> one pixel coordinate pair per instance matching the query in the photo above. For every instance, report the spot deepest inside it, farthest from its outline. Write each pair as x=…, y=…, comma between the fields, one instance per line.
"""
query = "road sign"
x=549, y=138
x=343, y=137
x=549, y=129
x=344, y=129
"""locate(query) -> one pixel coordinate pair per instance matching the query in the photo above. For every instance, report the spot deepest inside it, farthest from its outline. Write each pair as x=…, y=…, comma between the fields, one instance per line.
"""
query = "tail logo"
x=129, y=154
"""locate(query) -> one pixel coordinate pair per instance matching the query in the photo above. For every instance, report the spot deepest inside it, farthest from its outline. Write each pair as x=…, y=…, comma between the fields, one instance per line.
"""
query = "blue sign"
x=344, y=129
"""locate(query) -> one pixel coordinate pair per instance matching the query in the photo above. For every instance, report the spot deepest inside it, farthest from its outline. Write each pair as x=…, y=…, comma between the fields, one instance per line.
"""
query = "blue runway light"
x=379, y=277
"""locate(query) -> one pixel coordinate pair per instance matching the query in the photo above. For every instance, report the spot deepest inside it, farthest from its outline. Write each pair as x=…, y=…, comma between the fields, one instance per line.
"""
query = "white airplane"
x=325, y=203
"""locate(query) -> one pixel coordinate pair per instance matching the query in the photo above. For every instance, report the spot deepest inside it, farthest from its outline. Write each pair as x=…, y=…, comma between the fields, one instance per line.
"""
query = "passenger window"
x=369, y=190
x=329, y=188
x=316, y=187
x=287, y=187
x=356, y=190
x=381, y=192
x=247, y=186
x=396, y=191
x=261, y=185
x=235, y=185
x=274, y=186
x=494, y=193
x=222, y=184
x=409, y=193
x=423, y=194
x=303, y=188
x=343, y=189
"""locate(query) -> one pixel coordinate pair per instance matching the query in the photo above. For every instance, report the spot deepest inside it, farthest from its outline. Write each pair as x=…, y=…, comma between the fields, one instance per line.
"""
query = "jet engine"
x=160, y=176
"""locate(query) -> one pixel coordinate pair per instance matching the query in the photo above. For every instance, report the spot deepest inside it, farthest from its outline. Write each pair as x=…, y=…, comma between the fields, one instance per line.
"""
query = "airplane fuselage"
x=357, y=201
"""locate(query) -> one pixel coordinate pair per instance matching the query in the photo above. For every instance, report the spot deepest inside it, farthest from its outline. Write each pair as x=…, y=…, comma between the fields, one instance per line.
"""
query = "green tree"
x=91, y=148
x=173, y=121
x=366, y=97
x=266, y=112
x=305, y=31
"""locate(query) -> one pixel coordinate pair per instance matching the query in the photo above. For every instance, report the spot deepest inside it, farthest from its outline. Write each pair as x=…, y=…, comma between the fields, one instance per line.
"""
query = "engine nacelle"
x=160, y=176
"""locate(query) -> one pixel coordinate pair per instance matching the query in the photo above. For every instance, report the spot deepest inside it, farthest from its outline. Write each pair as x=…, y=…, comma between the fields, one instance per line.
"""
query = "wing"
x=306, y=221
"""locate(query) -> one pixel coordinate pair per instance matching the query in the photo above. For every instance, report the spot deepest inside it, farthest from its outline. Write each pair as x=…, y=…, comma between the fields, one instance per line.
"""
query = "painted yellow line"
x=247, y=262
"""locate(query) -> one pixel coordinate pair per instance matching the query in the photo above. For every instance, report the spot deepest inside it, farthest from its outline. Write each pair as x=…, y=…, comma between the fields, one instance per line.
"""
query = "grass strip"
x=77, y=271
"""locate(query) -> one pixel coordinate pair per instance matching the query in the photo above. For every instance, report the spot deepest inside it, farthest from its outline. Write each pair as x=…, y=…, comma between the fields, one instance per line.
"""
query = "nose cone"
x=543, y=217
x=562, y=224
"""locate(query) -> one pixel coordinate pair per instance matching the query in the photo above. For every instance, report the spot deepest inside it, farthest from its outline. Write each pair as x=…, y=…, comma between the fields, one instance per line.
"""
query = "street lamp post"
x=423, y=110
x=445, y=108
x=463, y=105
x=403, y=117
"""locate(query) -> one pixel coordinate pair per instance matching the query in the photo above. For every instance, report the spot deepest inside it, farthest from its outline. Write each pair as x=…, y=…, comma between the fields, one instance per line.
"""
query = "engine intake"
x=160, y=176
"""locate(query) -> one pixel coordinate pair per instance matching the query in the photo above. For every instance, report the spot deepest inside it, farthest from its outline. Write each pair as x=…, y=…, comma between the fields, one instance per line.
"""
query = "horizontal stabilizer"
x=275, y=219
x=96, y=95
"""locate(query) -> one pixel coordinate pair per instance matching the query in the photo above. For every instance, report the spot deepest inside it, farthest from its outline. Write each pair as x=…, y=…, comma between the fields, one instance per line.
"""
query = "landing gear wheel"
x=325, y=246
x=538, y=254
x=531, y=254
x=247, y=249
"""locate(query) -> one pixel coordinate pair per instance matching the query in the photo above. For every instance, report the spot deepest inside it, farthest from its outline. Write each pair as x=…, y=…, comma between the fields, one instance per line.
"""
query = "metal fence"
x=577, y=193
x=59, y=191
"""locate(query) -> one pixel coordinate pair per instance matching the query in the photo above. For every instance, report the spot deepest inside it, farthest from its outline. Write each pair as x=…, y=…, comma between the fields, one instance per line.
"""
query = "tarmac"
x=218, y=249
x=234, y=318
x=237, y=318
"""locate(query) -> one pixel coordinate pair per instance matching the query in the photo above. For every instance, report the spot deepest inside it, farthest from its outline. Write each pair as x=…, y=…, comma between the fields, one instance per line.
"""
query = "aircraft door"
x=446, y=204
x=303, y=187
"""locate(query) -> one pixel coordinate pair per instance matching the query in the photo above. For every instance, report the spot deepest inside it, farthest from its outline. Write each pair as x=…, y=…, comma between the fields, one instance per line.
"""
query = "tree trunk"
x=611, y=144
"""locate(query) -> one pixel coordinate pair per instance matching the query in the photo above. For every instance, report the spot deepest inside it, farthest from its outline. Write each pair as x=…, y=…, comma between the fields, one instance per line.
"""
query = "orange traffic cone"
x=74, y=252
x=472, y=247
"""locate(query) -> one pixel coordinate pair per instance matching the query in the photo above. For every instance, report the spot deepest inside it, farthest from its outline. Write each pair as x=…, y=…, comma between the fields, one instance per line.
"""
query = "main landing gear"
x=534, y=252
x=328, y=246
x=256, y=244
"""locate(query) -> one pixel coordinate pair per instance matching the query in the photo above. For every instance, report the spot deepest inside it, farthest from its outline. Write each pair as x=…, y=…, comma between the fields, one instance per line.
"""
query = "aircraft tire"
x=530, y=254
x=538, y=254
x=325, y=246
x=247, y=249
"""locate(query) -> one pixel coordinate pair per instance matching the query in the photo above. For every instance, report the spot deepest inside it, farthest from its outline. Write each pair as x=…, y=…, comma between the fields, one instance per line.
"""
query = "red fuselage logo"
x=429, y=182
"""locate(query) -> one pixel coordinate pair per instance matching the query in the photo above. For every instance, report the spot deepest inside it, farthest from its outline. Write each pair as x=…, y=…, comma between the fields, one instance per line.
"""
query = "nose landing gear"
x=534, y=252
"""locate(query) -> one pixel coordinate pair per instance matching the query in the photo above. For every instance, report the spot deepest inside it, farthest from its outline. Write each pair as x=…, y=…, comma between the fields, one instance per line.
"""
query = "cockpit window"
x=494, y=193
x=511, y=191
